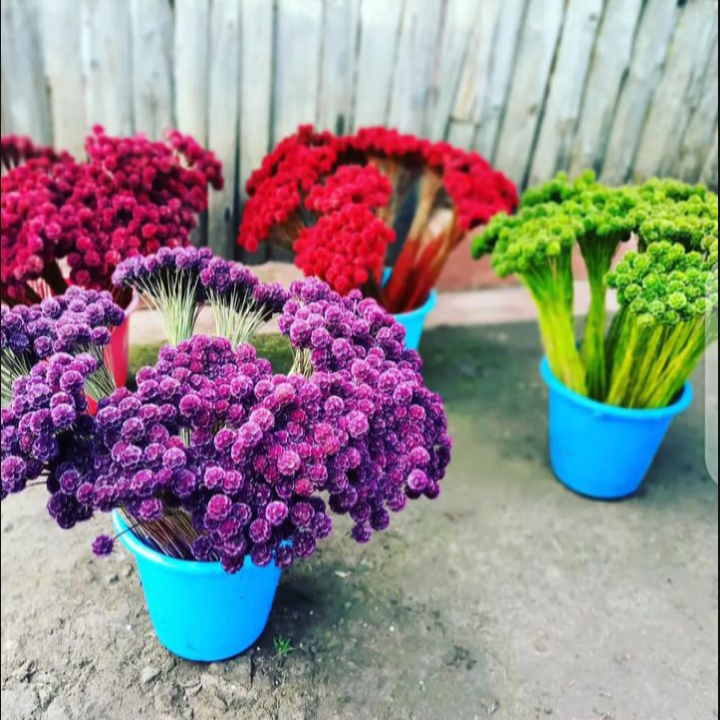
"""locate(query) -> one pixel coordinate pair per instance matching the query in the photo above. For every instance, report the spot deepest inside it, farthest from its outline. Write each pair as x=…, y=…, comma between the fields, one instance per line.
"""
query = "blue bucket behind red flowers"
x=415, y=320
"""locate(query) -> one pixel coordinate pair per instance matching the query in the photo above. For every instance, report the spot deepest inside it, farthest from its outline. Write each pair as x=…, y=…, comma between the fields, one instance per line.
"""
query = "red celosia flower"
x=385, y=142
x=476, y=190
x=303, y=145
x=351, y=185
x=346, y=248
x=278, y=186
x=313, y=182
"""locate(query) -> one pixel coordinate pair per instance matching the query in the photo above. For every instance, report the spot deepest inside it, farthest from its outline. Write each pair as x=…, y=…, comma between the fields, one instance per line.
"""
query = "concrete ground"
x=510, y=598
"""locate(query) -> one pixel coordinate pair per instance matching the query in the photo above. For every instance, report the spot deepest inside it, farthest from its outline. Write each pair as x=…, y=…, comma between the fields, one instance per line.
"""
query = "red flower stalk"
x=130, y=197
x=314, y=182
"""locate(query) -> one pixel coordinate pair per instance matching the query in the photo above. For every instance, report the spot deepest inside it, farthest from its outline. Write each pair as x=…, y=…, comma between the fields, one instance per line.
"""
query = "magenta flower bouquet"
x=217, y=459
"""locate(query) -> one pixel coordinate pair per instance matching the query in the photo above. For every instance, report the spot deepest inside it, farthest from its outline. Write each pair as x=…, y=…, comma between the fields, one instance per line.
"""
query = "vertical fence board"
x=60, y=33
x=152, y=23
x=255, y=114
x=562, y=111
x=538, y=46
x=703, y=124
x=412, y=87
x=107, y=56
x=337, y=72
x=710, y=171
x=379, y=28
x=224, y=85
x=505, y=51
x=297, y=74
x=472, y=89
x=28, y=111
x=613, y=54
x=4, y=120
x=192, y=24
x=256, y=86
x=455, y=47
x=680, y=91
x=535, y=85
x=656, y=30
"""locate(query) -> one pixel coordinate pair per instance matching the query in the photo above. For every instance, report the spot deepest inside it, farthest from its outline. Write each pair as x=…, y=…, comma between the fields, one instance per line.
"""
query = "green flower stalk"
x=537, y=246
x=674, y=224
x=668, y=317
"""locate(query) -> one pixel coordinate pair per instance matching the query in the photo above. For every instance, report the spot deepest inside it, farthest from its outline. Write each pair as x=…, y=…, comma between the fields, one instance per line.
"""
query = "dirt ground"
x=509, y=599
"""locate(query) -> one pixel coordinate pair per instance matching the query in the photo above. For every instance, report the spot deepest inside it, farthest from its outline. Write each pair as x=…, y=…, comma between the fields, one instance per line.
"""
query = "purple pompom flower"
x=103, y=546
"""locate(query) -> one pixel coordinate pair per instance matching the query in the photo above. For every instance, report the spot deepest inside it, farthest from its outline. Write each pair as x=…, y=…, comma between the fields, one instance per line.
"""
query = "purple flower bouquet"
x=215, y=459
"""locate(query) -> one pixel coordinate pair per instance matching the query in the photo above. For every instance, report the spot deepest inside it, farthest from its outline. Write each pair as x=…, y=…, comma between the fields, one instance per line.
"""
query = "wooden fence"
x=628, y=87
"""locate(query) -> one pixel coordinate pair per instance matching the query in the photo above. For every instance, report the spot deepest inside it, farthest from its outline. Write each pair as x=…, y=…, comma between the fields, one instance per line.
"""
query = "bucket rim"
x=680, y=406
x=138, y=548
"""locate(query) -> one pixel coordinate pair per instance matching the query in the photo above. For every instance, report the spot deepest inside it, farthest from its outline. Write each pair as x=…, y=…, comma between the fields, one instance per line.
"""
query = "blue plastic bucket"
x=600, y=451
x=200, y=612
x=414, y=322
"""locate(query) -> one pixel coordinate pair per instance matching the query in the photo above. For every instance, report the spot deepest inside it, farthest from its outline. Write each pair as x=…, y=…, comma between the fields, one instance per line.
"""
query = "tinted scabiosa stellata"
x=80, y=321
x=241, y=305
x=170, y=281
x=47, y=434
x=216, y=458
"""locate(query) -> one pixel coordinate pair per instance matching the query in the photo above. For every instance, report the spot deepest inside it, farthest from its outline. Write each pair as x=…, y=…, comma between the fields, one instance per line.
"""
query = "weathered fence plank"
x=472, y=90
x=60, y=34
x=538, y=47
x=28, y=108
x=106, y=39
x=567, y=89
x=192, y=28
x=702, y=128
x=613, y=53
x=341, y=27
x=152, y=44
x=680, y=91
x=627, y=87
x=4, y=120
x=504, y=57
x=710, y=171
x=256, y=86
x=255, y=116
x=379, y=30
x=459, y=21
x=223, y=123
x=297, y=73
x=412, y=88
x=654, y=35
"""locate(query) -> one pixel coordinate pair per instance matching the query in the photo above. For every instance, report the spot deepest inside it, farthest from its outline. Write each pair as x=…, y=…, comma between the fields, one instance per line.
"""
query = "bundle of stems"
x=667, y=288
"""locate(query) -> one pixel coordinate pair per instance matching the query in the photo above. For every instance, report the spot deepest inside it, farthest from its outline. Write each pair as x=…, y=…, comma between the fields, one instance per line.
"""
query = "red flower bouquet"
x=129, y=197
x=334, y=202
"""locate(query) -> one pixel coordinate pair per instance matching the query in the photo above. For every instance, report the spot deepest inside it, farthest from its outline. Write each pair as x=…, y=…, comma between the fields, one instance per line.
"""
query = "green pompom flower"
x=667, y=288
